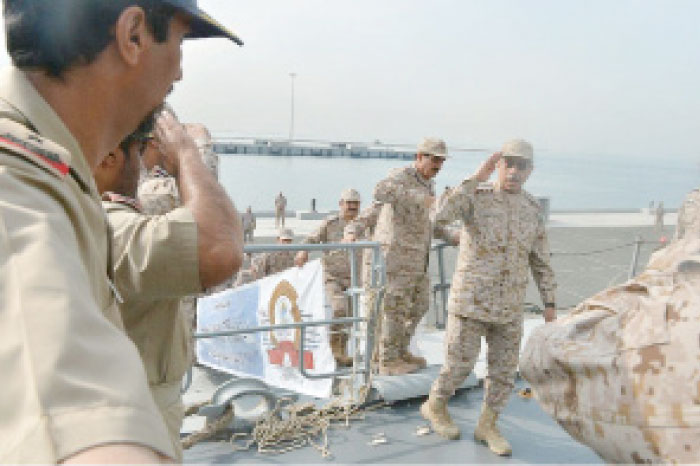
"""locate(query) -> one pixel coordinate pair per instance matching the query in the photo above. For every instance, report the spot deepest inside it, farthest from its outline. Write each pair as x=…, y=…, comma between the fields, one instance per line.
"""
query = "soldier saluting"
x=503, y=236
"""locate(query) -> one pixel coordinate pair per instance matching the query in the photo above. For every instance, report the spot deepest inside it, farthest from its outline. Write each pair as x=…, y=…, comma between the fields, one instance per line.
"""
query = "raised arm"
x=220, y=233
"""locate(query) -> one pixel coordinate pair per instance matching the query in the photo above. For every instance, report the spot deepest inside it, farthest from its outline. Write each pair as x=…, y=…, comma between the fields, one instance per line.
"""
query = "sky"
x=598, y=77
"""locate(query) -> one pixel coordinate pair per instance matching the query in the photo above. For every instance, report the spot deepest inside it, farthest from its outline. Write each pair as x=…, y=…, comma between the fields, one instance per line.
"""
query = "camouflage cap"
x=350, y=195
x=432, y=146
x=286, y=233
x=202, y=25
x=518, y=148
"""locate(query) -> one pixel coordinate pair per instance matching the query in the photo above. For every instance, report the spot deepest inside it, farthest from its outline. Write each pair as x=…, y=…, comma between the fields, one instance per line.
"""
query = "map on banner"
x=295, y=295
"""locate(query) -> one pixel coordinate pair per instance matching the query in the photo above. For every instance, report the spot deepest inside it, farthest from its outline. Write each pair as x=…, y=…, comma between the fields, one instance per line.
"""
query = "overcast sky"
x=577, y=76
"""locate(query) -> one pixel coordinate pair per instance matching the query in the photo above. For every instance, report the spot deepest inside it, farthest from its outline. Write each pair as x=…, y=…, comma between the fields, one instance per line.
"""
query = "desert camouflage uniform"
x=689, y=215
x=336, y=275
x=404, y=229
x=620, y=371
x=248, y=220
x=270, y=263
x=503, y=237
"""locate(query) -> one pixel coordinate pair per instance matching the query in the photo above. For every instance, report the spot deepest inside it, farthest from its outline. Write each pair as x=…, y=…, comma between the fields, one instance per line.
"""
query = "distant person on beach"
x=619, y=372
x=659, y=217
x=503, y=239
x=270, y=263
x=280, y=210
x=248, y=219
x=404, y=229
x=162, y=257
x=83, y=76
x=336, y=268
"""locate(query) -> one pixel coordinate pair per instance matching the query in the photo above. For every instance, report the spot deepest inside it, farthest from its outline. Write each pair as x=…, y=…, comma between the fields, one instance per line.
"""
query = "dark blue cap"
x=202, y=25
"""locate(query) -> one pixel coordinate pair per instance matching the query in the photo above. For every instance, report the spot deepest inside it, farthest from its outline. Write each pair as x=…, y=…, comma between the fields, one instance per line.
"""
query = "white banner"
x=295, y=295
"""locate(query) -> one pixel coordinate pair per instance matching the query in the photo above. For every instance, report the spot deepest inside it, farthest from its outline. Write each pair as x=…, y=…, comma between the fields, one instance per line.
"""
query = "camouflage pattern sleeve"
x=258, y=267
x=542, y=272
x=392, y=190
x=318, y=236
x=445, y=233
x=456, y=204
x=367, y=219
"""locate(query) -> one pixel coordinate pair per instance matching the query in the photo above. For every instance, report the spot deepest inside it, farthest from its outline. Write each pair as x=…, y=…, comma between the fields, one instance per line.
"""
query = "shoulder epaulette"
x=16, y=139
x=484, y=188
x=533, y=200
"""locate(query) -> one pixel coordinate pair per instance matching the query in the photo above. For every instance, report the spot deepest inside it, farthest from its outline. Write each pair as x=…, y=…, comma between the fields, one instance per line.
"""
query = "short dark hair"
x=142, y=133
x=53, y=35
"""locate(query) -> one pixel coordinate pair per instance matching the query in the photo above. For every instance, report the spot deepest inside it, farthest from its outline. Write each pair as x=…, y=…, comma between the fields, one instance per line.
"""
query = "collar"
x=120, y=199
x=17, y=91
x=428, y=183
x=158, y=172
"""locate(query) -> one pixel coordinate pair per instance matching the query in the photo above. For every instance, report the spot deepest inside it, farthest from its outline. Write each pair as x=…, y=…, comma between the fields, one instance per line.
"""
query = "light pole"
x=291, y=122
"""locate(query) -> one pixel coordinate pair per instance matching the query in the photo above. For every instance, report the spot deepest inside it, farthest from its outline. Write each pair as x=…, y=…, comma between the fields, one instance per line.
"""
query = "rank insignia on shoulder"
x=484, y=188
x=17, y=139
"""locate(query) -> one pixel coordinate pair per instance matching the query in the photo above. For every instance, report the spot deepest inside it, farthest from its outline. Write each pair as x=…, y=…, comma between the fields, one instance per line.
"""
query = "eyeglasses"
x=517, y=162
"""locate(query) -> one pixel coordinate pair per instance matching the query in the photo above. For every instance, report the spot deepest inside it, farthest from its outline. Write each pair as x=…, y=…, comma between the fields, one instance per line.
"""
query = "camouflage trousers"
x=339, y=301
x=462, y=347
x=406, y=301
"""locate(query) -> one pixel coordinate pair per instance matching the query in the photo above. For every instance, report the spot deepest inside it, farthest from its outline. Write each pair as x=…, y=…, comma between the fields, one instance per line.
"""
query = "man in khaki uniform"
x=270, y=263
x=336, y=268
x=74, y=386
x=405, y=231
x=280, y=210
x=620, y=371
x=503, y=238
x=160, y=258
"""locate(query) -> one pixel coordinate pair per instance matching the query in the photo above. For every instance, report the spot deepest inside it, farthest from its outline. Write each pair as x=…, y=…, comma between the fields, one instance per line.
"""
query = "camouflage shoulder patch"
x=18, y=140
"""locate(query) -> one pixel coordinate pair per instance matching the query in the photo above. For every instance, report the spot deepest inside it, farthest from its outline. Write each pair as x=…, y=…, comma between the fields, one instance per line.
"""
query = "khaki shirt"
x=502, y=239
x=620, y=371
x=71, y=377
x=156, y=264
x=403, y=226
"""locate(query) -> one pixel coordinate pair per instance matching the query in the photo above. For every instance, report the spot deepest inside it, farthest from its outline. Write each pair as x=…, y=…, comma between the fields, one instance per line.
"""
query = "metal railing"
x=377, y=281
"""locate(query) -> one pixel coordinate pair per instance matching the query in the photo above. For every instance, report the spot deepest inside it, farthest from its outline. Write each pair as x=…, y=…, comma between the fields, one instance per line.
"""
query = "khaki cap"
x=286, y=233
x=201, y=24
x=518, y=148
x=350, y=195
x=432, y=146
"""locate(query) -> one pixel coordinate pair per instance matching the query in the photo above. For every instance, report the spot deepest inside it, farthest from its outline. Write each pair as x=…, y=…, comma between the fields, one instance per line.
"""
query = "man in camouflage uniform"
x=248, y=219
x=161, y=258
x=336, y=268
x=271, y=263
x=280, y=206
x=403, y=227
x=503, y=237
x=620, y=371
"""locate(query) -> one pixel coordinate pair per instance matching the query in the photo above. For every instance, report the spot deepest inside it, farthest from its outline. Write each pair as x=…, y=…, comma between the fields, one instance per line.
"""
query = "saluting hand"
x=173, y=141
x=488, y=167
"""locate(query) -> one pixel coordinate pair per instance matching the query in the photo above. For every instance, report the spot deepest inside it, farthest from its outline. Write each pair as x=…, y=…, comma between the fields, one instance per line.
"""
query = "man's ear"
x=131, y=34
x=109, y=161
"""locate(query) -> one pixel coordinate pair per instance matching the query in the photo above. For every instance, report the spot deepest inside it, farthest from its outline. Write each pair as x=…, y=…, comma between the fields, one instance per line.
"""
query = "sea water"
x=571, y=182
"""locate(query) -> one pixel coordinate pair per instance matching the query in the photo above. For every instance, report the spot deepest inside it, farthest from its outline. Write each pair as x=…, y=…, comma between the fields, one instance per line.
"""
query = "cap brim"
x=202, y=25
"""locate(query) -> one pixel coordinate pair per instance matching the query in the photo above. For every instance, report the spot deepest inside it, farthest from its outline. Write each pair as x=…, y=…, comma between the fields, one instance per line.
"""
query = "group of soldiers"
x=104, y=228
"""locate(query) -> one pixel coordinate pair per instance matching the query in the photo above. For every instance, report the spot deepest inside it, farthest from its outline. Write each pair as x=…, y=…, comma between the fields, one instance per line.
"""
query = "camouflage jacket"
x=336, y=263
x=158, y=193
x=620, y=371
x=503, y=237
x=403, y=225
x=689, y=215
x=270, y=263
